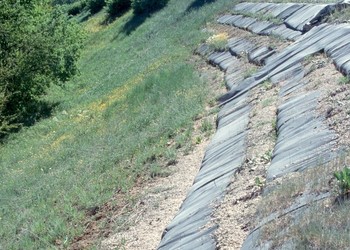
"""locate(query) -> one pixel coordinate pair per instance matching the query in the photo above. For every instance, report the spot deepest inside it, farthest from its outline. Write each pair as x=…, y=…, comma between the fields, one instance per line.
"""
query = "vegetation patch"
x=218, y=41
x=317, y=226
x=39, y=47
x=323, y=226
x=117, y=123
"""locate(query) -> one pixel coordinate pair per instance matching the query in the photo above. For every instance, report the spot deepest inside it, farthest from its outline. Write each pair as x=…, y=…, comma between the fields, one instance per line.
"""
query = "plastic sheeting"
x=259, y=55
x=260, y=27
x=303, y=139
x=223, y=157
x=299, y=17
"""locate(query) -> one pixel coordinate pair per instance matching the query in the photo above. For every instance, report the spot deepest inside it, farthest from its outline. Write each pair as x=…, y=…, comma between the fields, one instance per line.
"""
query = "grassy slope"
x=136, y=90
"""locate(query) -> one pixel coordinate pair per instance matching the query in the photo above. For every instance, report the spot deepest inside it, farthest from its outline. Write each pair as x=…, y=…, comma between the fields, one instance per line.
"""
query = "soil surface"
x=159, y=203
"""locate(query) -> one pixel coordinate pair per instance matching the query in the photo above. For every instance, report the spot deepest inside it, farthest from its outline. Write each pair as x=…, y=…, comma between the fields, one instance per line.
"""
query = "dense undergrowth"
x=135, y=92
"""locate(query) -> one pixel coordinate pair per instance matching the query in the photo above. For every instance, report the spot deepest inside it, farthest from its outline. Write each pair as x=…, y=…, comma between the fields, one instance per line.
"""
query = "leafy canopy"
x=39, y=46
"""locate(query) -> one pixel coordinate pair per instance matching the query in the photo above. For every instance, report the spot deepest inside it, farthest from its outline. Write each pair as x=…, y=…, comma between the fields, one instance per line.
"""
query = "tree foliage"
x=95, y=5
x=39, y=46
x=116, y=7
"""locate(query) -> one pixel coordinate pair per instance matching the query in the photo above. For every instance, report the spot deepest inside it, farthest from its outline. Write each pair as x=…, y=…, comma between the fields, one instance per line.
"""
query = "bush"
x=147, y=6
x=63, y=2
x=39, y=47
x=75, y=8
x=343, y=178
x=96, y=5
x=115, y=7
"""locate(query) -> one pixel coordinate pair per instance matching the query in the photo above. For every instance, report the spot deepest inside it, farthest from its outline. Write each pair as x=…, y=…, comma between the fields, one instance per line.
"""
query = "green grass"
x=344, y=80
x=324, y=224
x=324, y=227
x=135, y=92
x=339, y=16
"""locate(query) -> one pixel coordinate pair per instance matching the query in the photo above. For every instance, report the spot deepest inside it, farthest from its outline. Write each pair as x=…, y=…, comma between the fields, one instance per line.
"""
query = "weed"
x=198, y=140
x=343, y=178
x=170, y=156
x=323, y=226
x=267, y=102
x=277, y=36
x=158, y=171
x=258, y=182
x=339, y=16
x=214, y=110
x=206, y=126
x=344, y=80
x=267, y=85
x=274, y=129
x=249, y=72
x=309, y=58
x=218, y=42
x=268, y=155
x=212, y=102
x=182, y=139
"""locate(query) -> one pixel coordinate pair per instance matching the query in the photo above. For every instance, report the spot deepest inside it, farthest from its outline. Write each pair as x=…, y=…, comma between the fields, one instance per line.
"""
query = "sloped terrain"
x=113, y=167
x=307, y=101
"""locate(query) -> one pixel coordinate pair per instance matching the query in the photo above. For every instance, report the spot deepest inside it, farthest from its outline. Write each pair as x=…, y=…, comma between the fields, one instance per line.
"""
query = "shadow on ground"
x=36, y=111
x=198, y=4
x=136, y=21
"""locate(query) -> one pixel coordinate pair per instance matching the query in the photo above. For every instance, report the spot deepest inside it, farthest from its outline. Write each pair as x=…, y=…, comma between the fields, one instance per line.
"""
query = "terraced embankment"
x=308, y=132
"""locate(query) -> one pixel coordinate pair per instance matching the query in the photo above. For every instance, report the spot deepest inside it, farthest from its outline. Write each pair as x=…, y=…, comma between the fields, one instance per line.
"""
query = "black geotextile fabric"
x=299, y=17
x=260, y=27
x=294, y=211
x=312, y=42
x=259, y=55
x=303, y=139
x=223, y=157
x=237, y=46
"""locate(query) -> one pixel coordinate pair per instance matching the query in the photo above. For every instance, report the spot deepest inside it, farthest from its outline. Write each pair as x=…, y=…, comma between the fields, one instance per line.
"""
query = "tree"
x=39, y=46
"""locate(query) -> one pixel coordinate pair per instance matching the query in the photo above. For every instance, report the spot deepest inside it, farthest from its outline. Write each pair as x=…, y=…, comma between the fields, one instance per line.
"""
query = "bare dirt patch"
x=158, y=204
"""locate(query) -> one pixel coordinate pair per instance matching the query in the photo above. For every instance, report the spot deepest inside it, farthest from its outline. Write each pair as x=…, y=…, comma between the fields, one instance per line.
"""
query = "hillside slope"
x=120, y=122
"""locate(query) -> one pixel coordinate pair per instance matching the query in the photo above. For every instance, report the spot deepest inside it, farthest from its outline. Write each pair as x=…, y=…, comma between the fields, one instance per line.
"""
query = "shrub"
x=115, y=7
x=39, y=47
x=63, y=2
x=343, y=178
x=147, y=6
x=96, y=5
x=76, y=7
